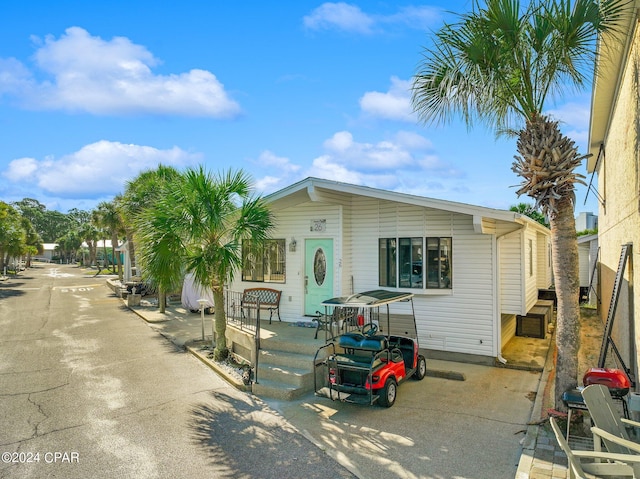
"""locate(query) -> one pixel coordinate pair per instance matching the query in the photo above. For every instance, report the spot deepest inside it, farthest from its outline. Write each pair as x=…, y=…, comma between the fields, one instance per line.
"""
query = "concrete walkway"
x=485, y=426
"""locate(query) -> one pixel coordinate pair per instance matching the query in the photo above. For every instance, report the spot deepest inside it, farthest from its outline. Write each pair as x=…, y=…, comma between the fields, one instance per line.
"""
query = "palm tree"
x=33, y=240
x=199, y=223
x=140, y=194
x=499, y=65
x=106, y=216
x=89, y=233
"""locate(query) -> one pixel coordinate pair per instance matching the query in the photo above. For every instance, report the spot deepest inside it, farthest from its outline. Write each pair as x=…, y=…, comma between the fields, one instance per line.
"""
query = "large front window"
x=403, y=262
x=264, y=263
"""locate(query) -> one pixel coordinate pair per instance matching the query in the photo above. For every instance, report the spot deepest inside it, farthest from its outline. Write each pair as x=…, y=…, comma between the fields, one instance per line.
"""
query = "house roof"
x=587, y=238
x=612, y=58
x=317, y=189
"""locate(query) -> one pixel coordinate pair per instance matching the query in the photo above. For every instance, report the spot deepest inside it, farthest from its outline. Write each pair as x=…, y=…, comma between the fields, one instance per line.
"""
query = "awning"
x=369, y=299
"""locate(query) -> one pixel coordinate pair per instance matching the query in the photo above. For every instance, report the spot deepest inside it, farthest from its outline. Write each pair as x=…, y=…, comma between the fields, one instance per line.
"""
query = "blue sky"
x=92, y=93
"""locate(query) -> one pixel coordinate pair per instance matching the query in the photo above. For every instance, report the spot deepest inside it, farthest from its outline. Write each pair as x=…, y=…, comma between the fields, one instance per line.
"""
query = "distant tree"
x=106, y=217
x=90, y=235
x=33, y=241
x=12, y=234
x=530, y=211
x=588, y=232
x=49, y=224
x=68, y=245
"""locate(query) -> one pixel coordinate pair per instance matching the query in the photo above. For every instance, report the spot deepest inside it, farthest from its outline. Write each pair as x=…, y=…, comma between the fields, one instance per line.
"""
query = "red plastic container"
x=614, y=379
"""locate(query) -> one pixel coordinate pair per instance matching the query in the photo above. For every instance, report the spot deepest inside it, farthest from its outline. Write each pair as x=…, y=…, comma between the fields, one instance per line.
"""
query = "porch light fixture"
x=292, y=245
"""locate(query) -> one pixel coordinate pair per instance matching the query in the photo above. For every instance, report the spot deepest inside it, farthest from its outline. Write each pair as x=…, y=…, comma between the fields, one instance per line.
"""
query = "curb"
x=220, y=371
x=530, y=439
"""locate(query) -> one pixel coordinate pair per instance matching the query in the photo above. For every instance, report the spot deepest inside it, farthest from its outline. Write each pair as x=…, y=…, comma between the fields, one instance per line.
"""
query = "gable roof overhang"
x=612, y=58
x=321, y=190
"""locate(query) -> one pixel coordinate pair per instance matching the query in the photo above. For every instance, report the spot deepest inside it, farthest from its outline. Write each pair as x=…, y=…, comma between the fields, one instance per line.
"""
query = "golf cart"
x=365, y=358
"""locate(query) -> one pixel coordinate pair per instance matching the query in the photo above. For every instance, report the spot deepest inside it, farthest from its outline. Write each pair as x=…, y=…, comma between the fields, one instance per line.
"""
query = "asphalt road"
x=87, y=389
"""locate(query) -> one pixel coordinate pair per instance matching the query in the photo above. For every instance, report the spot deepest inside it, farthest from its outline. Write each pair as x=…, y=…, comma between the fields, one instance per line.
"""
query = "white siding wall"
x=531, y=267
x=544, y=261
x=584, y=263
x=458, y=320
x=511, y=282
x=295, y=222
x=508, y=328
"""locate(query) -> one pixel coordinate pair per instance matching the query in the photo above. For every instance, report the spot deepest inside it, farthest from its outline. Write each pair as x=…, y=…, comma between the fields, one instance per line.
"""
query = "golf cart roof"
x=369, y=299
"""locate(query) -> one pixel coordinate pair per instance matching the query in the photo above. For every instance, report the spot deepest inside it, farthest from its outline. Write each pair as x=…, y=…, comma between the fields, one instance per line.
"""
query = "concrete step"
x=285, y=358
x=299, y=378
x=308, y=348
x=277, y=390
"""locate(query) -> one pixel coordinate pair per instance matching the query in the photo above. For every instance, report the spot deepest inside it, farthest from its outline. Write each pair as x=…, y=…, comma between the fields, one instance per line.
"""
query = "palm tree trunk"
x=565, y=270
x=116, y=255
x=221, y=351
x=162, y=300
x=132, y=249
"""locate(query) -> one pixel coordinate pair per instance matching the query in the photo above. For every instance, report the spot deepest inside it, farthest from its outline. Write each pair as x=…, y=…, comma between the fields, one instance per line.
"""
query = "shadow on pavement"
x=248, y=439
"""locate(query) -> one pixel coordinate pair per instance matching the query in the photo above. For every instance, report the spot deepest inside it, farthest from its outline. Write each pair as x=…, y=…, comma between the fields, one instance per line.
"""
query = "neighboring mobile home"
x=473, y=270
x=587, y=259
x=614, y=142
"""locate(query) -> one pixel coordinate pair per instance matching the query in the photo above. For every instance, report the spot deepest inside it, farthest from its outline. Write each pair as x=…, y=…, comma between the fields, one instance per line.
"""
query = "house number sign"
x=318, y=226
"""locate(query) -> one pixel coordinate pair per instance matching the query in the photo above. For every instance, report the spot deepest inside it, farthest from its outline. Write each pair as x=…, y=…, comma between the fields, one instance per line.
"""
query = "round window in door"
x=319, y=266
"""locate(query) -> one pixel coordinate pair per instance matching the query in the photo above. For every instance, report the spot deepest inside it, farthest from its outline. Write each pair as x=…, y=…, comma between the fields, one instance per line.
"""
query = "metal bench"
x=266, y=298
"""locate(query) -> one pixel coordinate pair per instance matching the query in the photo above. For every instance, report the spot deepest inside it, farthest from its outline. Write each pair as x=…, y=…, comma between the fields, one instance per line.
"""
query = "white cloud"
x=574, y=121
x=350, y=18
x=390, y=154
x=395, y=104
x=21, y=169
x=280, y=163
x=326, y=167
x=101, y=168
x=419, y=18
x=404, y=162
x=574, y=114
x=341, y=16
x=113, y=77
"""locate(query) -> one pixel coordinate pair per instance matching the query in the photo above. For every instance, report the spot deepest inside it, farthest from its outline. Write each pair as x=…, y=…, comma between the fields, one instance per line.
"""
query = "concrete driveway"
x=438, y=428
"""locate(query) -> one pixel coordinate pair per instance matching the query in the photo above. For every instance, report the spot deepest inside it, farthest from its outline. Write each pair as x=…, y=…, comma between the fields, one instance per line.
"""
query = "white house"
x=472, y=269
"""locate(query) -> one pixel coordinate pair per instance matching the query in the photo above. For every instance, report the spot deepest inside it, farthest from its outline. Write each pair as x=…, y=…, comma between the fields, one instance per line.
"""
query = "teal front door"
x=318, y=280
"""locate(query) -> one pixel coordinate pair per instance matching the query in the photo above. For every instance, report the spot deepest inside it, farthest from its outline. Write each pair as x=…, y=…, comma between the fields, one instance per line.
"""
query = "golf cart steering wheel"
x=369, y=329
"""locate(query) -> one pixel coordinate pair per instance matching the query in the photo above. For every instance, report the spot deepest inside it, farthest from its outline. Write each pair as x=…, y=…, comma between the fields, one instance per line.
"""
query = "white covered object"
x=192, y=292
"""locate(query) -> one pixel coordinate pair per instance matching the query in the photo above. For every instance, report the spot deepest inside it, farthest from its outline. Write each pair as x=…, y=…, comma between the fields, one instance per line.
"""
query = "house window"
x=265, y=262
x=530, y=257
x=402, y=262
x=387, y=262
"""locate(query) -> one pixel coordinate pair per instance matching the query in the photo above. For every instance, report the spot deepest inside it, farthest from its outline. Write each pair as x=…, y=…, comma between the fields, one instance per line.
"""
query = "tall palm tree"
x=199, y=223
x=499, y=65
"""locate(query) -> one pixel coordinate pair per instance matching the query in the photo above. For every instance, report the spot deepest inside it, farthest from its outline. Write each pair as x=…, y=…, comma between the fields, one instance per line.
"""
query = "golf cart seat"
x=360, y=341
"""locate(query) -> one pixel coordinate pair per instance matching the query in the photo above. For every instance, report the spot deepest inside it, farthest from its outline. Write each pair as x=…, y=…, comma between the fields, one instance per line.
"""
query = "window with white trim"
x=415, y=262
x=265, y=262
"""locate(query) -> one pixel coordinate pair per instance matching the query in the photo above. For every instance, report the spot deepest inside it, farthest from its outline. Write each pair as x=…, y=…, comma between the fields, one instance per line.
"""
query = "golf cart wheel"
x=389, y=392
x=421, y=370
